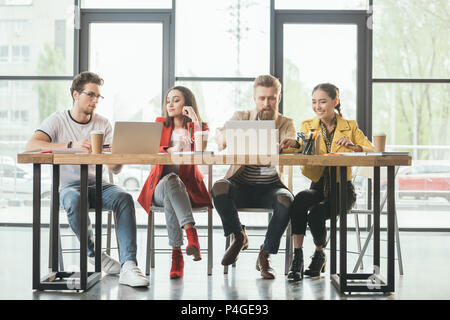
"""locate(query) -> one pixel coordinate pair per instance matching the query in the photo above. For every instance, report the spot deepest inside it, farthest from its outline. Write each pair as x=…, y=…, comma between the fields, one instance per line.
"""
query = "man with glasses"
x=71, y=129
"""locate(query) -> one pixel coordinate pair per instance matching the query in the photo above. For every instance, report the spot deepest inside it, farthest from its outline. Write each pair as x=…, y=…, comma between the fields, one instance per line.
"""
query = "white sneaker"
x=132, y=276
x=109, y=265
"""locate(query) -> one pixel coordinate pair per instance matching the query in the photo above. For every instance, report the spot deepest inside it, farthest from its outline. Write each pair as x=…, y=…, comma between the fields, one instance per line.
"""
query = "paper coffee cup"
x=379, y=141
x=200, y=140
x=97, y=141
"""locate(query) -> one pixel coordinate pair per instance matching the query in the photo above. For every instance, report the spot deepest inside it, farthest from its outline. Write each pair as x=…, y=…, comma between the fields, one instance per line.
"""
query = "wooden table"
x=340, y=280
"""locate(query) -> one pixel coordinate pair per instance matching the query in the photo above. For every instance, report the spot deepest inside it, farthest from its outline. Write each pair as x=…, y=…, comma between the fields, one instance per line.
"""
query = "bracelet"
x=69, y=145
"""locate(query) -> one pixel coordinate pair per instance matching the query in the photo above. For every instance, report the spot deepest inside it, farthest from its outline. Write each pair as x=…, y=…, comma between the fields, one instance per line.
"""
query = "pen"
x=190, y=136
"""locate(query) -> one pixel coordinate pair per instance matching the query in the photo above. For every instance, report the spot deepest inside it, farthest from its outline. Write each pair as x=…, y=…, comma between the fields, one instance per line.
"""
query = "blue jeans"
x=229, y=197
x=115, y=199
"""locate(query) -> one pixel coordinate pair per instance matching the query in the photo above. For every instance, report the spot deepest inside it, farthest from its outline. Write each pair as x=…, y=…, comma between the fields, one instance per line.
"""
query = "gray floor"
x=426, y=260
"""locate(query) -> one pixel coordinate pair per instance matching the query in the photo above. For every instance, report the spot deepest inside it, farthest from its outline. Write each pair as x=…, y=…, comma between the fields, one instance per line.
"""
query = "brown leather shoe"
x=263, y=265
x=240, y=242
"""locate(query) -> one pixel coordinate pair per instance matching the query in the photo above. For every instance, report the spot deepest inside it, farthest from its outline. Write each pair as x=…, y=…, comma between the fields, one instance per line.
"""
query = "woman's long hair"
x=189, y=100
x=332, y=91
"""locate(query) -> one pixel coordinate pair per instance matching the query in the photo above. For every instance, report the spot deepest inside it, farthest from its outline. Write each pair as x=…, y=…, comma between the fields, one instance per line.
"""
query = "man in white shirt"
x=71, y=129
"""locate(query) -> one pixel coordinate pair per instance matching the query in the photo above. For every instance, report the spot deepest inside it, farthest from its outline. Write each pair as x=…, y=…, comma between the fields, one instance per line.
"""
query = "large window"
x=221, y=46
x=411, y=39
x=37, y=40
x=36, y=66
x=411, y=98
x=217, y=48
x=308, y=61
x=222, y=38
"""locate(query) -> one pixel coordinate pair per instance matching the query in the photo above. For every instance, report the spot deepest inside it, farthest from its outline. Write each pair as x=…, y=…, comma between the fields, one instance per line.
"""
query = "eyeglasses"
x=92, y=95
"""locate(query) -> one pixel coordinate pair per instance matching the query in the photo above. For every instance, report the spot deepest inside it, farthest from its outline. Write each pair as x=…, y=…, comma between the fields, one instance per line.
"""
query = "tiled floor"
x=425, y=257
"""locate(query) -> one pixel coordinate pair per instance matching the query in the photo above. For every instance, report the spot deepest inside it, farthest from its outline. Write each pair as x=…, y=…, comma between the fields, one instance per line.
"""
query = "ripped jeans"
x=170, y=193
x=229, y=197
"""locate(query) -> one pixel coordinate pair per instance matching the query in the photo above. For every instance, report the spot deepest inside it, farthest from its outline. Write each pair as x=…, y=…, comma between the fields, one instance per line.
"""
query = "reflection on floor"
x=424, y=254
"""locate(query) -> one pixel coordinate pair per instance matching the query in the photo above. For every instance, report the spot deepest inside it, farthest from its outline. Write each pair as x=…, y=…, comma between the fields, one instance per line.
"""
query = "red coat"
x=189, y=174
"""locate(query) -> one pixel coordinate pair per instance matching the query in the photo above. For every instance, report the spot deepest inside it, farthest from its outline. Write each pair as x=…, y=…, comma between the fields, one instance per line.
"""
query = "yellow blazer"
x=344, y=128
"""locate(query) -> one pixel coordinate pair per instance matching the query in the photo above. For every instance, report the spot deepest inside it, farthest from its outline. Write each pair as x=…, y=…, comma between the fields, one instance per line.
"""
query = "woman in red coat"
x=178, y=188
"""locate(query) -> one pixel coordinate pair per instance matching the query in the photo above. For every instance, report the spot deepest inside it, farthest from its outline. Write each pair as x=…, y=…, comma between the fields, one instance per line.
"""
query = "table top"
x=214, y=159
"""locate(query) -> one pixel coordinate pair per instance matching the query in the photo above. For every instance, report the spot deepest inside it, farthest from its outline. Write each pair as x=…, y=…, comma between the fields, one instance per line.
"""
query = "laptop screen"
x=251, y=137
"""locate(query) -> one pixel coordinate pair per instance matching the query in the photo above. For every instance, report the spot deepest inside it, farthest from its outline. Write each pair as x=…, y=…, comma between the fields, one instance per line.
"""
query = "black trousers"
x=274, y=196
x=310, y=207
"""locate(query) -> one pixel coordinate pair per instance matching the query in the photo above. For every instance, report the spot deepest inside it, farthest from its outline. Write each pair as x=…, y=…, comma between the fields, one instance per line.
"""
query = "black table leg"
x=83, y=225
x=343, y=229
x=365, y=282
x=391, y=223
x=36, y=225
x=58, y=279
x=54, y=212
x=98, y=216
x=210, y=225
x=334, y=210
x=376, y=220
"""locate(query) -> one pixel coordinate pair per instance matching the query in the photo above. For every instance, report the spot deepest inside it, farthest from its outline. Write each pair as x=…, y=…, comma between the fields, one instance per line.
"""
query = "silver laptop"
x=251, y=137
x=136, y=137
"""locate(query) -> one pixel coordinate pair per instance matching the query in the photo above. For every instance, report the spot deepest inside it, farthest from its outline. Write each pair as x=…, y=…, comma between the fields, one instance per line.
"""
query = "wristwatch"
x=69, y=145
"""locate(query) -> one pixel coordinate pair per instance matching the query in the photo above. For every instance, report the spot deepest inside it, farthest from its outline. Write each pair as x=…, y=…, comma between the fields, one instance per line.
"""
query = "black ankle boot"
x=296, y=269
x=317, y=265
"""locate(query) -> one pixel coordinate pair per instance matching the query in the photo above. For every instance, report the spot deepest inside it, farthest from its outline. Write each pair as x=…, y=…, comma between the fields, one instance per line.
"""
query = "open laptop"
x=251, y=137
x=136, y=137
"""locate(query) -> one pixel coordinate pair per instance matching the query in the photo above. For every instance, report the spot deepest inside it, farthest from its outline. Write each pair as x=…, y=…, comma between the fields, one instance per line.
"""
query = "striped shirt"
x=252, y=175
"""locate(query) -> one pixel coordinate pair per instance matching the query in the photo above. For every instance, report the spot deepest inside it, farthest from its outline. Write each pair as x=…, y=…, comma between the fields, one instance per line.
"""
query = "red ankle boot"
x=193, y=247
x=177, y=270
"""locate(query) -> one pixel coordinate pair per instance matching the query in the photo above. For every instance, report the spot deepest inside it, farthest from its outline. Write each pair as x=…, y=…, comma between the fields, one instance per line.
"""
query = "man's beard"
x=271, y=115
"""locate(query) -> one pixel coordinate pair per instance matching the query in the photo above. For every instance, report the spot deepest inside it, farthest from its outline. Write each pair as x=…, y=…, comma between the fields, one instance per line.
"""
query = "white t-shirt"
x=61, y=127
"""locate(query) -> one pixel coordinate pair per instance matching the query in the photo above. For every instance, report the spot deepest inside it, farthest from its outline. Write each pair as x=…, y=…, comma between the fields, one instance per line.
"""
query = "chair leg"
x=108, y=234
x=358, y=238
x=147, y=254
x=117, y=237
x=50, y=229
x=152, y=243
x=60, y=254
x=329, y=235
x=227, y=244
x=288, y=251
x=210, y=242
x=363, y=251
x=399, y=251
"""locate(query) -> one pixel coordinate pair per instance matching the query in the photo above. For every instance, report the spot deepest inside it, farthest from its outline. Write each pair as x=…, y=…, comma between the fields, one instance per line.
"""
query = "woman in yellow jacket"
x=312, y=206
